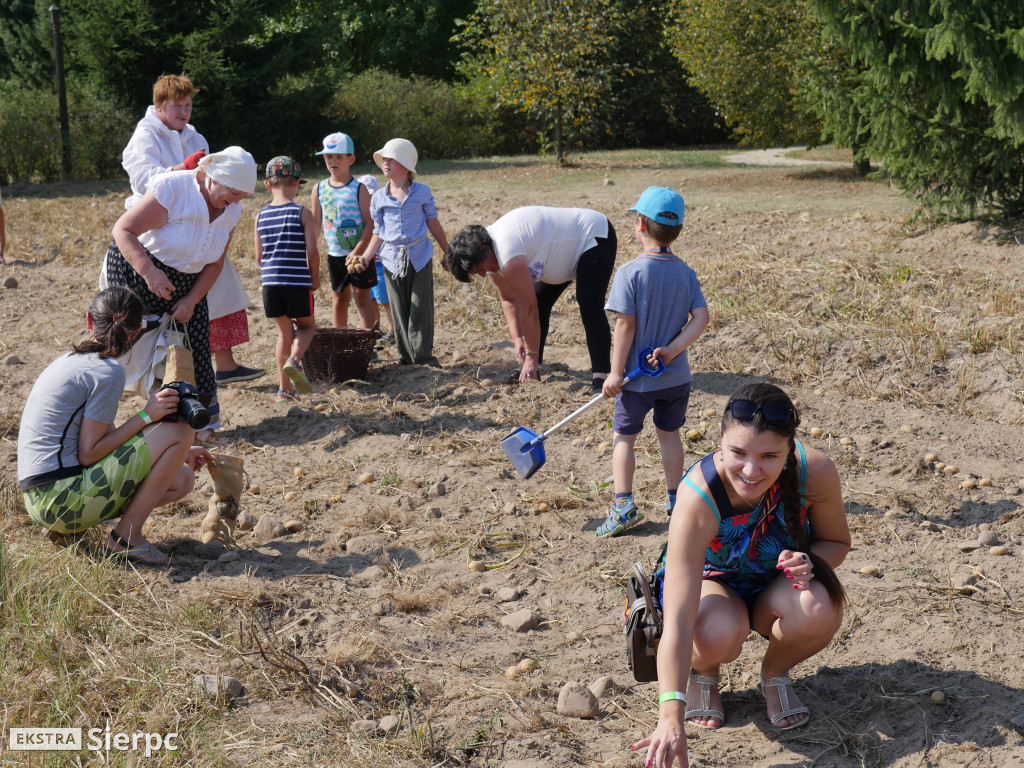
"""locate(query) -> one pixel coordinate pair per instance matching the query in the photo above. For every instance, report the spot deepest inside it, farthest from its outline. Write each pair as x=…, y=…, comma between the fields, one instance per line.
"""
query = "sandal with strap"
x=781, y=683
x=293, y=370
x=704, y=710
x=284, y=396
x=145, y=554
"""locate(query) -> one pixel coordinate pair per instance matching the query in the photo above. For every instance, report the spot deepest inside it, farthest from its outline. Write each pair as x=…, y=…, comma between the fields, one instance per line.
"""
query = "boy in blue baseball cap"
x=659, y=304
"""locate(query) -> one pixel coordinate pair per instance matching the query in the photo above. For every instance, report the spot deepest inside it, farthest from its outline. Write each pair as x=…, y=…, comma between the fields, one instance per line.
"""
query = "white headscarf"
x=233, y=167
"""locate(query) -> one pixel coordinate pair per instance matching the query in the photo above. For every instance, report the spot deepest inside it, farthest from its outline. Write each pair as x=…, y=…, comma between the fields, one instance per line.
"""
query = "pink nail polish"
x=789, y=577
x=787, y=570
x=796, y=586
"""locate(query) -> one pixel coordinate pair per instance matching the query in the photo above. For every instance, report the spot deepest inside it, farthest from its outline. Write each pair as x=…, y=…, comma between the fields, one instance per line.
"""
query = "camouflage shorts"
x=100, y=492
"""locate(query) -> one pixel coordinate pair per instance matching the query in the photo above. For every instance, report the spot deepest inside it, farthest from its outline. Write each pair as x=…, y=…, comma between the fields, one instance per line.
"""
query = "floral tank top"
x=745, y=551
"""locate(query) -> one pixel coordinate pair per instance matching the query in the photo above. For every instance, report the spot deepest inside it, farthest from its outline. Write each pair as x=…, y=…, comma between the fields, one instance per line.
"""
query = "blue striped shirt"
x=284, y=246
x=403, y=225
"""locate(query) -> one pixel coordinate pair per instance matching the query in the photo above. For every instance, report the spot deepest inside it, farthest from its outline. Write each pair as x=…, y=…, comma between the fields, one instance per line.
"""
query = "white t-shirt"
x=188, y=241
x=551, y=239
x=154, y=148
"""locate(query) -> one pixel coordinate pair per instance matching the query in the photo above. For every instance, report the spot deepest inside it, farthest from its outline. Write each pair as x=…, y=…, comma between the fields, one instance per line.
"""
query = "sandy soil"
x=374, y=593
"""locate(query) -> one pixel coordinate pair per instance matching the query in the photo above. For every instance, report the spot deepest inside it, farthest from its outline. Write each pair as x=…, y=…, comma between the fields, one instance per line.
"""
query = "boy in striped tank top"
x=341, y=205
x=290, y=263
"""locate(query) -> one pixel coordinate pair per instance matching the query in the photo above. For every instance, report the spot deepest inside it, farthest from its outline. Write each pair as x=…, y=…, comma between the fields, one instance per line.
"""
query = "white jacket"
x=155, y=148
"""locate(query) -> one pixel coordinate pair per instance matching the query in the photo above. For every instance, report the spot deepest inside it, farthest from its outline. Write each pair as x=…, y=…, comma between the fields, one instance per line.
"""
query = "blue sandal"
x=622, y=518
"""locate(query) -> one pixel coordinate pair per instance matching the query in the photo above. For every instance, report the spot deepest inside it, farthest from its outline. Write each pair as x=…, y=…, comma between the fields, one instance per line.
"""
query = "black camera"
x=189, y=406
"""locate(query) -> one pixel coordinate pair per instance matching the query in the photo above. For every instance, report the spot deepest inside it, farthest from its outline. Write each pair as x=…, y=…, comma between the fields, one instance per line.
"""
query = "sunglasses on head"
x=776, y=415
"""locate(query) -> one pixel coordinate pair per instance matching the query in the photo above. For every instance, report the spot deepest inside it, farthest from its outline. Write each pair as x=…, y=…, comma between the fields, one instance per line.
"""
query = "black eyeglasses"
x=776, y=415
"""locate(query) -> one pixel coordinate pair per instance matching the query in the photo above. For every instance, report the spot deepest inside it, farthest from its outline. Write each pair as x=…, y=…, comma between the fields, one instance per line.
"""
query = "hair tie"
x=118, y=317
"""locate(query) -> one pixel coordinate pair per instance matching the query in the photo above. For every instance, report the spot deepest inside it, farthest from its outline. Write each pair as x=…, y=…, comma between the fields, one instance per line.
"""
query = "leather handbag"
x=643, y=622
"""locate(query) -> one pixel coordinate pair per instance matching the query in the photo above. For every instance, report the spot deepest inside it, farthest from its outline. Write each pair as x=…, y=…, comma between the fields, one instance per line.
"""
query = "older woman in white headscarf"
x=170, y=248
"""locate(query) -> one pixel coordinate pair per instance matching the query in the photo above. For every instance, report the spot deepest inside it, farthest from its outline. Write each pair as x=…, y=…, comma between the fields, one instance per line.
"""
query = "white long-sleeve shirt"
x=155, y=148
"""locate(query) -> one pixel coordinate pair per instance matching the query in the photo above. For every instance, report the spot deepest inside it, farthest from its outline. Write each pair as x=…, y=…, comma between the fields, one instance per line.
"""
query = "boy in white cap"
x=341, y=206
x=659, y=304
x=403, y=214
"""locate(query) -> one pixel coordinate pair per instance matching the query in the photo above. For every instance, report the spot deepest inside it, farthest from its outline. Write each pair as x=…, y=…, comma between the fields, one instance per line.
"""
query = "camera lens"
x=193, y=412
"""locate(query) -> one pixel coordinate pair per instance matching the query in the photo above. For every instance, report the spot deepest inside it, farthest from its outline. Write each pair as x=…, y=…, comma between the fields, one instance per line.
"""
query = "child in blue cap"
x=659, y=304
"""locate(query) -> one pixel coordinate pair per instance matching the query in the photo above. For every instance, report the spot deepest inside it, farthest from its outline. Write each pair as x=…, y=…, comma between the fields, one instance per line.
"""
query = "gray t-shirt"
x=660, y=291
x=72, y=387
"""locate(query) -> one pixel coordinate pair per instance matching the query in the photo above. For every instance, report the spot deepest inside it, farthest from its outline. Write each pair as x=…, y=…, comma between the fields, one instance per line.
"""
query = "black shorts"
x=340, y=276
x=292, y=301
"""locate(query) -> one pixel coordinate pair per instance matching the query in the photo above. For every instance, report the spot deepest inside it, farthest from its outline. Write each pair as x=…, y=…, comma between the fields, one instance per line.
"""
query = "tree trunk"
x=559, y=153
x=861, y=165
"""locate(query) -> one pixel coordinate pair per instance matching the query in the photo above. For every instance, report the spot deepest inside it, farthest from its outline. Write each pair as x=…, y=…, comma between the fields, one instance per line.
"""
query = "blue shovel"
x=525, y=449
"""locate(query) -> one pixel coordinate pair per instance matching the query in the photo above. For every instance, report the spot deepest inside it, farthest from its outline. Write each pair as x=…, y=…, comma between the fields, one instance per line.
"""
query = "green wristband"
x=672, y=696
x=146, y=417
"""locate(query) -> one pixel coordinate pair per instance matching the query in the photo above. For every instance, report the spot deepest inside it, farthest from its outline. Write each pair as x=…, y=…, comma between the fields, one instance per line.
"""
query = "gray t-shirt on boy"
x=73, y=387
x=660, y=290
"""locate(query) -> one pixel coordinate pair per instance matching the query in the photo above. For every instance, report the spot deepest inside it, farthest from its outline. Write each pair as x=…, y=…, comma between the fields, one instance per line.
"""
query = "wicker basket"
x=339, y=354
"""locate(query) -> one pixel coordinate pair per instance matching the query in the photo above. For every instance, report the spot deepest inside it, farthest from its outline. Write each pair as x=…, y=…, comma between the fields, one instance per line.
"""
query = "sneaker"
x=293, y=370
x=596, y=385
x=624, y=516
x=241, y=373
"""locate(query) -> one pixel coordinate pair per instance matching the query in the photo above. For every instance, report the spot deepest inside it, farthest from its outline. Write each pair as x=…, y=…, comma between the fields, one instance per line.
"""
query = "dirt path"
x=777, y=157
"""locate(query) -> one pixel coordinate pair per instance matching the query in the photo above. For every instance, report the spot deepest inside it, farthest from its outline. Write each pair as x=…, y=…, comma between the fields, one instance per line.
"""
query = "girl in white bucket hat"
x=404, y=214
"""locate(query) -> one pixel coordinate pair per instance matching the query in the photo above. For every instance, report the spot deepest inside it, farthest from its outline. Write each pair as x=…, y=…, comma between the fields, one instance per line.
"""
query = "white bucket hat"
x=401, y=150
x=233, y=167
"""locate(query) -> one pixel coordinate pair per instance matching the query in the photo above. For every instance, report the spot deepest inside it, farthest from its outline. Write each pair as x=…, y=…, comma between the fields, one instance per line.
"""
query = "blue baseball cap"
x=662, y=205
x=338, y=144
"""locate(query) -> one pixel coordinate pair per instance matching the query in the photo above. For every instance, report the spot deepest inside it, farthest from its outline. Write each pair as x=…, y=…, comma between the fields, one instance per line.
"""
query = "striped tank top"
x=284, y=246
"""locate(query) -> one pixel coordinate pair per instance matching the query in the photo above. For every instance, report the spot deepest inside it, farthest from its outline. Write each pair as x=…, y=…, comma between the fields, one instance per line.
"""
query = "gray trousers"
x=412, y=310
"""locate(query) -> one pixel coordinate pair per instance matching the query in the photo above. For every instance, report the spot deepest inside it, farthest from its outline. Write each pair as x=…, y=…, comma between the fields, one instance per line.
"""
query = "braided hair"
x=116, y=316
x=789, y=480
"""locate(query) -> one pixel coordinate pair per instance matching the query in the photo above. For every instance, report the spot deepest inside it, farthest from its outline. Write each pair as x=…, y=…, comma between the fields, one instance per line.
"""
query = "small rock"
x=572, y=637
x=985, y=527
x=988, y=538
x=908, y=429
x=383, y=608
x=460, y=391
x=434, y=512
x=484, y=590
x=998, y=551
x=12, y=360
x=294, y=526
x=576, y=700
x=486, y=382
x=938, y=697
x=211, y=551
x=389, y=725
x=295, y=411
x=269, y=527
x=609, y=183
x=963, y=580
x=246, y=521
x=436, y=490
x=521, y=621
x=10, y=282
x=968, y=546
x=928, y=525
x=364, y=726
x=604, y=686
x=870, y=570
x=229, y=557
x=217, y=686
x=509, y=508
x=507, y=595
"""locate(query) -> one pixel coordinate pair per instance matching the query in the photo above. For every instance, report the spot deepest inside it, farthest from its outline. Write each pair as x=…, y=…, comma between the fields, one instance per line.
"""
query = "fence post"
x=62, y=96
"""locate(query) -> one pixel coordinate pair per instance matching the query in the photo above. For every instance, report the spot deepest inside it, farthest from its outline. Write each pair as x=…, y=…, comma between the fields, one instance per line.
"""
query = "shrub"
x=440, y=119
x=30, y=141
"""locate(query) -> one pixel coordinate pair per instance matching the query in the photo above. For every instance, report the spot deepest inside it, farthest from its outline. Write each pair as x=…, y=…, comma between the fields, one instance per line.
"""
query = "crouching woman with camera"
x=77, y=468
